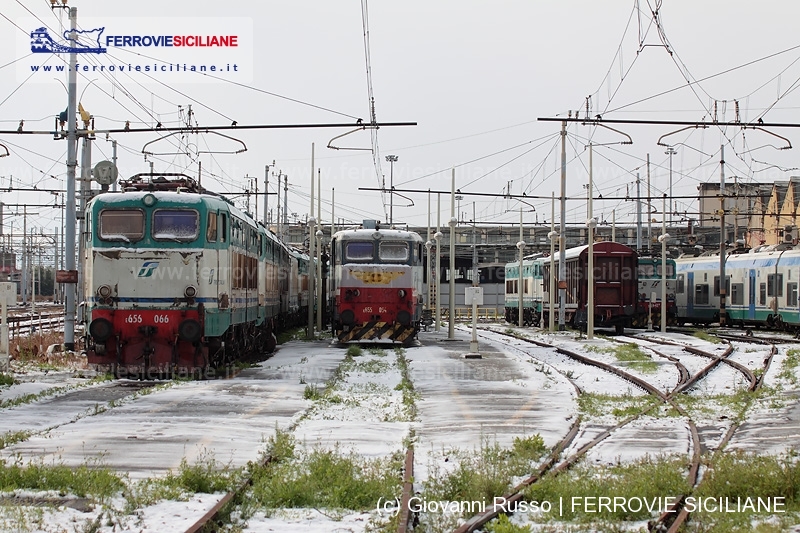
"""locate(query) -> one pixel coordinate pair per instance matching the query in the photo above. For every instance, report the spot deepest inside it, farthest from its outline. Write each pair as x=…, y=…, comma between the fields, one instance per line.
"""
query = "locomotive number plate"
x=136, y=318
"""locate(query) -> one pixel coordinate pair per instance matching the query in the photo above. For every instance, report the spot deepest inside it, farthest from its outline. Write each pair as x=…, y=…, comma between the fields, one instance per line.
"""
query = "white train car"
x=762, y=288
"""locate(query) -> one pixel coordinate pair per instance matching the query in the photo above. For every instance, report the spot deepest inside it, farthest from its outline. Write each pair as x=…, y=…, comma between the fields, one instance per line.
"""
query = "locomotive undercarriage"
x=530, y=316
x=153, y=357
x=377, y=332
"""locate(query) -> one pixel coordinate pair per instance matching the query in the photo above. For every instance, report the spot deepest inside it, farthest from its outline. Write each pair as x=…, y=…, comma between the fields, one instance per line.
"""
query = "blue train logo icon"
x=85, y=42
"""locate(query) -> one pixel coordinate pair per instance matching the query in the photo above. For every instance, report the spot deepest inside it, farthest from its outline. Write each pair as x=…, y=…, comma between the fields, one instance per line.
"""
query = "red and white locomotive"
x=375, y=291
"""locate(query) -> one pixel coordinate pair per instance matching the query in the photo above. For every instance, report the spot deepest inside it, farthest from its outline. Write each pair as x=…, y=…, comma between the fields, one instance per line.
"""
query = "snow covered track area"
x=314, y=439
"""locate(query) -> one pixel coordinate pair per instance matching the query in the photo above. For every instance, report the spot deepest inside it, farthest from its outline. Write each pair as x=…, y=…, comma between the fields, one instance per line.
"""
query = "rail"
x=483, y=313
x=29, y=323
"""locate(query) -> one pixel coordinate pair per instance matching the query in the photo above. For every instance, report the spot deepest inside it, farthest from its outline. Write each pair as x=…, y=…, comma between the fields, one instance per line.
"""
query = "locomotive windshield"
x=175, y=224
x=358, y=251
x=125, y=225
x=396, y=251
x=670, y=270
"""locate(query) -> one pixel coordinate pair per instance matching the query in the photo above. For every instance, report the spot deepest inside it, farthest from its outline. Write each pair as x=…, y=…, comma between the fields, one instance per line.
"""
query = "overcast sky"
x=475, y=76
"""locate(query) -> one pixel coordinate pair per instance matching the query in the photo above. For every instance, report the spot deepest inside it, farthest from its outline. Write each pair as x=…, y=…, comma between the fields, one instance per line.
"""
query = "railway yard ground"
x=678, y=431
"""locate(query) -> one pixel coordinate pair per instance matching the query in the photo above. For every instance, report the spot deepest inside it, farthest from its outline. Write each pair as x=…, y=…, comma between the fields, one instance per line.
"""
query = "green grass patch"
x=354, y=350
x=28, y=398
x=736, y=403
x=704, y=336
x=789, y=364
x=290, y=335
x=299, y=477
x=647, y=478
x=632, y=354
x=83, y=481
x=205, y=476
x=406, y=386
x=737, y=476
x=629, y=353
x=621, y=406
x=312, y=392
x=482, y=474
x=373, y=366
x=6, y=380
x=12, y=437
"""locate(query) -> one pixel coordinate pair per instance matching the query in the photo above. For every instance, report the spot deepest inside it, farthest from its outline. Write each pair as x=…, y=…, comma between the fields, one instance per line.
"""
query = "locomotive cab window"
x=396, y=252
x=646, y=270
x=126, y=225
x=211, y=229
x=681, y=284
x=175, y=224
x=358, y=251
x=670, y=270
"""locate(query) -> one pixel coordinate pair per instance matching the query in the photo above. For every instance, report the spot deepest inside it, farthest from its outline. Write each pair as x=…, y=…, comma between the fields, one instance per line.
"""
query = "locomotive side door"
x=690, y=294
x=751, y=302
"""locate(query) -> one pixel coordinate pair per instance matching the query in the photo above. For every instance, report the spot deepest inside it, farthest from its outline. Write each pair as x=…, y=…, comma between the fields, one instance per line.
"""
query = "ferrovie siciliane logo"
x=92, y=42
x=85, y=42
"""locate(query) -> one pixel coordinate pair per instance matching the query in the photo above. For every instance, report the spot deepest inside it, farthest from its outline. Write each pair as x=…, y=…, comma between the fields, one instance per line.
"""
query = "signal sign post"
x=474, y=296
x=8, y=296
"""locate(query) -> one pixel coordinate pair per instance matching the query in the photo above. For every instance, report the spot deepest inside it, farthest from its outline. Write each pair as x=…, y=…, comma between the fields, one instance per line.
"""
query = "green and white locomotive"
x=178, y=280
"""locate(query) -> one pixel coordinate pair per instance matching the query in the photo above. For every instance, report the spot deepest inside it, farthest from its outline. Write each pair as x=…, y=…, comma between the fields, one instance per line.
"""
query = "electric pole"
x=391, y=159
x=562, y=239
x=72, y=162
x=722, y=281
x=672, y=208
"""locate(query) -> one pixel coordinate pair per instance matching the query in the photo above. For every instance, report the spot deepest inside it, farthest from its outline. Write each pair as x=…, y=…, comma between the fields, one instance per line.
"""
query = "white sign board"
x=473, y=296
x=8, y=293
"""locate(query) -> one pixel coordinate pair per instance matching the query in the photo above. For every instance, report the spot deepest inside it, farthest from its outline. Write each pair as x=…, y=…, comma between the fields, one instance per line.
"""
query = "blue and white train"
x=762, y=288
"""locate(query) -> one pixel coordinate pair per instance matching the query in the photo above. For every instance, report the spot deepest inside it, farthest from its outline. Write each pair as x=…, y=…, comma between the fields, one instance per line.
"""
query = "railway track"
x=569, y=450
x=677, y=515
x=21, y=324
x=551, y=466
x=674, y=521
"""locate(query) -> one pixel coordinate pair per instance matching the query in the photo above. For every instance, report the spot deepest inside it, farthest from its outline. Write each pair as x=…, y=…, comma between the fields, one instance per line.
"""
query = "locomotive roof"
x=166, y=196
x=376, y=234
x=607, y=247
x=752, y=259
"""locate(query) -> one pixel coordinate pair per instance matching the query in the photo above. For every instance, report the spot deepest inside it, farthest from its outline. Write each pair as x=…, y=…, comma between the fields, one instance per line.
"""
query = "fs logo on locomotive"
x=148, y=267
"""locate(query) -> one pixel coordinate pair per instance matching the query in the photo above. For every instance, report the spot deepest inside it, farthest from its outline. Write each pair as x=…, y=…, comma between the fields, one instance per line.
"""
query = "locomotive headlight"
x=190, y=330
x=190, y=291
x=347, y=317
x=401, y=293
x=104, y=291
x=101, y=329
x=404, y=317
x=149, y=200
